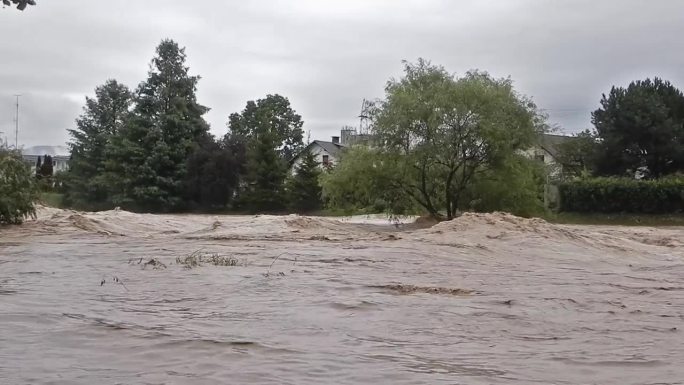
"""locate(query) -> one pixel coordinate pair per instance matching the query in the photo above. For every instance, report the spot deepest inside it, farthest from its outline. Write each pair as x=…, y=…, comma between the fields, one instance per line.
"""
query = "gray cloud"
x=326, y=56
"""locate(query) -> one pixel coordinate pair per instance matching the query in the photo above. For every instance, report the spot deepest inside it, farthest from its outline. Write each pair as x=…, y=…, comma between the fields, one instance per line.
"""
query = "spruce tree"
x=304, y=190
x=103, y=117
x=148, y=157
x=264, y=176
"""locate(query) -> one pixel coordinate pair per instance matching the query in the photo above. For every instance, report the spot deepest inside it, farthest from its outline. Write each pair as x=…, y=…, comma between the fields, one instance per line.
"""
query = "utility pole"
x=16, y=127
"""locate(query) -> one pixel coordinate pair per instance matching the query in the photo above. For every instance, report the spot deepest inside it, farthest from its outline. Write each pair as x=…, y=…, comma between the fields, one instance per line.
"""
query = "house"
x=60, y=156
x=327, y=153
x=548, y=151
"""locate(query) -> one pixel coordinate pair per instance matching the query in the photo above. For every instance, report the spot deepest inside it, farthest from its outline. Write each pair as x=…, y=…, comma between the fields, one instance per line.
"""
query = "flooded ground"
x=112, y=298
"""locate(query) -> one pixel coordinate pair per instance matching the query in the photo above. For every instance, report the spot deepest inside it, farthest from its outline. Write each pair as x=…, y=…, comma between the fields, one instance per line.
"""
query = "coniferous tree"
x=265, y=172
x=103, y=117
x=39, y=165
x=304, y=189
x=148, y=157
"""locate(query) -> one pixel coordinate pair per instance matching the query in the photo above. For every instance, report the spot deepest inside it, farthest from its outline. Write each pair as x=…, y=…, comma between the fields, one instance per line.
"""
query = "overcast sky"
x=326, y=56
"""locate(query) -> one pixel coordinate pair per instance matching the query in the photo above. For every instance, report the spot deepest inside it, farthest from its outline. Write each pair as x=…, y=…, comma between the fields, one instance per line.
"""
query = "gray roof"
x=330, y=147
x=550, y=143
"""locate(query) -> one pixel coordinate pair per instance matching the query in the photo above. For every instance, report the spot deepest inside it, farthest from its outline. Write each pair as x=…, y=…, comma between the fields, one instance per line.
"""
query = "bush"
x=17, y=188
x=613, y=195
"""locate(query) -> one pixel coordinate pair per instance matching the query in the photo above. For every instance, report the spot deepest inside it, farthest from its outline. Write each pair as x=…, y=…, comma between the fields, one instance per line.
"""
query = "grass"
x=52, y=199
x=617, y=219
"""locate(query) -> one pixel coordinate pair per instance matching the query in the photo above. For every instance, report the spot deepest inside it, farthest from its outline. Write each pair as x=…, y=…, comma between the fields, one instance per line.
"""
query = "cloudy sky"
x=326, y=56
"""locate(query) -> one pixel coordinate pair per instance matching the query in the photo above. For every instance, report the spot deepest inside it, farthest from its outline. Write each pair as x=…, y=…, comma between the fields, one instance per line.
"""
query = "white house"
x=60, y=156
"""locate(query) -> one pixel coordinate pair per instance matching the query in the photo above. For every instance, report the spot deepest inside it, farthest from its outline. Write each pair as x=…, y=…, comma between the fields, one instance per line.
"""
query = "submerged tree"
x=147, y=158
x=103, y=117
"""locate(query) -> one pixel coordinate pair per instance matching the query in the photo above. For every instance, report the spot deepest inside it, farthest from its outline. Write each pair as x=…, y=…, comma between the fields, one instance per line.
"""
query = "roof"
x=329, y=147
x=551, y=143
x=53, y=151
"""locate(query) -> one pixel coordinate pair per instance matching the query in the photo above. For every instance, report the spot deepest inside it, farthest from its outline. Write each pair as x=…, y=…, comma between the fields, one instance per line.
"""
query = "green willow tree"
x=440, y=133
x=147, y=158
x=102, y=118
x=641, y=126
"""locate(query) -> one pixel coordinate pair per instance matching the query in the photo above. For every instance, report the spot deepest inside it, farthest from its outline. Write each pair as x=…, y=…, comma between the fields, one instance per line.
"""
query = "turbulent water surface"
x=111, y=298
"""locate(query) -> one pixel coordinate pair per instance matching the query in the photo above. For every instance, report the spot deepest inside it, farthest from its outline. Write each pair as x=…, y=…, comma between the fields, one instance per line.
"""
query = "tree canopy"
x=272, y=133
x=17, y=188
x=103, y=117
x=641, y=126
x=147, y=156
x=272, y=115
x=21, y=4
x=443, y=132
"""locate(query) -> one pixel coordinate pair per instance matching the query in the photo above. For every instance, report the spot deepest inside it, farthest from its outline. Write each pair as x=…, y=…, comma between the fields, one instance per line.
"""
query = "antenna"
x=364, y=117
x=16, y=127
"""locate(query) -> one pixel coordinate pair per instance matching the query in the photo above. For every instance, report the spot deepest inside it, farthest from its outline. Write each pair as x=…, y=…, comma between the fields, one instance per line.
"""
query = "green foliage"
x=17, y=188
x=213, y=172
x=440, y=132
x=365, y=180
x=641, y=126
x=578, y=156
x=103, y=117
x=614, y=195
x=21, y=4
x=275, y=116
x=516, y=187
x=304, y=189
x=146, y=162
x=272, y=132
x=264, y=177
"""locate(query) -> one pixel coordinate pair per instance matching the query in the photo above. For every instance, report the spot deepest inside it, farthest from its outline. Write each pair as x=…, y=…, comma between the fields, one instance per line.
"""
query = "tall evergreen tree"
x=304, y=189
x=103, y=117
x=148, y=157
x=265, y=172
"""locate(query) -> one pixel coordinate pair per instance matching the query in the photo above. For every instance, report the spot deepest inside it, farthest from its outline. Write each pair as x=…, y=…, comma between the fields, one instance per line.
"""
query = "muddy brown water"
x=485, y=299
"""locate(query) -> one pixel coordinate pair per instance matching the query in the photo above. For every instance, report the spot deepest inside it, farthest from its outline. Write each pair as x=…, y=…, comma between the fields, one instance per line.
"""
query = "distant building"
x=60, y=156
x=548, y=151
x=328, y=153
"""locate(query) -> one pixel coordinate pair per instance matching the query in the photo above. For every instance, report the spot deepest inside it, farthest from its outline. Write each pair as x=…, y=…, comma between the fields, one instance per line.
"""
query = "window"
x=325, y=160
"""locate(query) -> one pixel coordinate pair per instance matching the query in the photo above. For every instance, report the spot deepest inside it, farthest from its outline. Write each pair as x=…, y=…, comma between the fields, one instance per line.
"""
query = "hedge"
x=614, y=195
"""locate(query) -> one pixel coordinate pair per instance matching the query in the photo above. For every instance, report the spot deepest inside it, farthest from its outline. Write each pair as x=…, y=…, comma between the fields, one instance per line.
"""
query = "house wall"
x=59, y=163
x=318, y=152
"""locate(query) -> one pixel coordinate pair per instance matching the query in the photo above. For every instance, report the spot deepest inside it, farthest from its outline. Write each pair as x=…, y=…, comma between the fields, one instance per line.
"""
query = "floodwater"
x=484, y=299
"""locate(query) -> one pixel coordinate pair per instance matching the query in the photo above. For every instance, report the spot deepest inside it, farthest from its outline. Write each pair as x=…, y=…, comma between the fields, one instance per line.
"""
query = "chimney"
x=336, y=139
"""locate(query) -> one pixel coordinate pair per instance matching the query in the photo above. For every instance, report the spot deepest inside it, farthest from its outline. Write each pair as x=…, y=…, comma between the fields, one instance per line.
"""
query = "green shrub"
x=614, y=195
x=17, y=188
